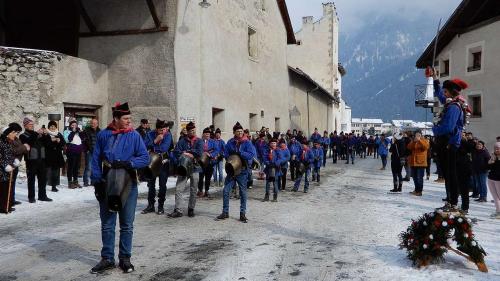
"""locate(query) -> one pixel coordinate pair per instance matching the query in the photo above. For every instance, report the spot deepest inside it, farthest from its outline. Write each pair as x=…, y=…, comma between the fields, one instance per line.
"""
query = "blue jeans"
x=480, y=184
x=384, y=160
x=417, y=174
x=229, y=183
x=88, y=169
x=275, y=183
x=306, y=180
x=218, y=169
x=108, y=224
x=350, y=153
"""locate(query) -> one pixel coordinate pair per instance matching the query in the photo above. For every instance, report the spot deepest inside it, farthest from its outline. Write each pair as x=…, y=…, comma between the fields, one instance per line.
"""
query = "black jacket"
x=480, y=160
x=37, y=145
x=464, y=157
x=398, y=150
x=494, y=170
x=54, y=153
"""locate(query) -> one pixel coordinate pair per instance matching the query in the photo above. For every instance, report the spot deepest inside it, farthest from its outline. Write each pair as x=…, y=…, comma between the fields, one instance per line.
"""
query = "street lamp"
x=204, y=4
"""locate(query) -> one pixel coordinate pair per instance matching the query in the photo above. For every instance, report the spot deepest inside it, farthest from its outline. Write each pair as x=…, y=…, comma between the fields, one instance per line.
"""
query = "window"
x=475, y=57
x=253, y=121
x=445, y=68
x=276, y=124
x=475, y=103
x=252, y=43
x=218, y=118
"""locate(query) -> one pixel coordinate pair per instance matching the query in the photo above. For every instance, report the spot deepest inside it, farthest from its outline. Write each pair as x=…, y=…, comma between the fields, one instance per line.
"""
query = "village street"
x=344, y=229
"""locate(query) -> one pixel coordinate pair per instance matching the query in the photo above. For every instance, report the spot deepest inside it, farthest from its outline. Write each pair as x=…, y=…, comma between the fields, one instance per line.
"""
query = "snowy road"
x=344, y=229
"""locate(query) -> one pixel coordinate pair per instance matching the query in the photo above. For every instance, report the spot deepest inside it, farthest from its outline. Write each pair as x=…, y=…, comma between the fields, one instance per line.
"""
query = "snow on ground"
x=345, y=228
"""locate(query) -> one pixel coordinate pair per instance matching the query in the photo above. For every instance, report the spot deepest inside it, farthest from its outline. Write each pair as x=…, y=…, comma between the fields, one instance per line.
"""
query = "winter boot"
x=102, y=266
x=54, y=189
x=400, y=187
x=243, y=218
x=318, y=176
x=222, y=216
x=313, y=178
x=190, y=212
x=125, y=265
x=266, y=198
x=175, y=214
x=395, y=189
x=275, y=197
x=160, y=211
x=149, y=209
x=71, y=185
x=76, y=184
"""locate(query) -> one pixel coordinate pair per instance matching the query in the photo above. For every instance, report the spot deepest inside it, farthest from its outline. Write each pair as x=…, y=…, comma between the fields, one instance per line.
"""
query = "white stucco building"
x=469, y=48
x=364, y=125
x=316, y=53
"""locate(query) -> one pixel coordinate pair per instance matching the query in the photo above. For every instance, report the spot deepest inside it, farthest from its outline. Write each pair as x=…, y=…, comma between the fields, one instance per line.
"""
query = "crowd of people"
x=118, y=157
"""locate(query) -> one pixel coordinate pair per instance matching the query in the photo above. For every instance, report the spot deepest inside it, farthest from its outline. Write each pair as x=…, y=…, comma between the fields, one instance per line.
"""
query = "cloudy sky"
x=353, y=12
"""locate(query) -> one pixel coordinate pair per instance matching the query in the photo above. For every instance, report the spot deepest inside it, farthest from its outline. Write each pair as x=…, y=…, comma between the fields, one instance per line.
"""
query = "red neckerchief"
x=192, y=140
x=271, y=154
x=240, y=141
x=304, y=151
x=164, y=135
x=205, y=145
x=112, y=126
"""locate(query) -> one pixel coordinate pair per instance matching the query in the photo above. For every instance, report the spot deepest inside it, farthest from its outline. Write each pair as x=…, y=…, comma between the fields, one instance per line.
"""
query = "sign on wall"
x=185, y=120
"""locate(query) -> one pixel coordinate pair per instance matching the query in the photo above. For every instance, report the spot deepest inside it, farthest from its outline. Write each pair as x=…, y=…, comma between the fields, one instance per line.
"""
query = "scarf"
x=304, y=152
x=53, y=134
x=271, y=154
x=112, y=126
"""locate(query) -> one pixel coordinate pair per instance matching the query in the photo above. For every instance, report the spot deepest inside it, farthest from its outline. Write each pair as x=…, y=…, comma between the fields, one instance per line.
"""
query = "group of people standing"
x=45, y=152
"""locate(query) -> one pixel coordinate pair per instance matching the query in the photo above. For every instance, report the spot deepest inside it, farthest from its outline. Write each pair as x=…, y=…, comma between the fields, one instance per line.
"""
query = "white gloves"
x=9, y=168
x=17, y=162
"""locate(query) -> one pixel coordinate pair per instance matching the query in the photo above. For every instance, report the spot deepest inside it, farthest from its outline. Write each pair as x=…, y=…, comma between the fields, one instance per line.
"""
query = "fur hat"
x=160, y=124
x=273, y=140
x=13, y=127
x=190, y=126
x=144, y=121
x=218, y=131
x=237, y=126
x=120, y=110
x=206, y=130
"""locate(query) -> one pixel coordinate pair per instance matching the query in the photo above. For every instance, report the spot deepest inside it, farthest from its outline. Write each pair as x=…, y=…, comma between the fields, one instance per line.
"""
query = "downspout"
x=308, y=111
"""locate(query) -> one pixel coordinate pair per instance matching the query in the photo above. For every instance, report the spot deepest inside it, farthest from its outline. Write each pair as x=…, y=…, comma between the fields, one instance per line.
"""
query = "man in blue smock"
x=241, y=145
x=118, y=147
x=159, y=142
x=448, y=133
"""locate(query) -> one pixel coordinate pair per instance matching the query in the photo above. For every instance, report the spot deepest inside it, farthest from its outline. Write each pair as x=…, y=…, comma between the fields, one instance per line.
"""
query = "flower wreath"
x=430, y=237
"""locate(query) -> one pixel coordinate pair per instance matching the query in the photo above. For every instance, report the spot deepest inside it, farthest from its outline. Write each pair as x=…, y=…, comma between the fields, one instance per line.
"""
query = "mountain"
x=380, y=62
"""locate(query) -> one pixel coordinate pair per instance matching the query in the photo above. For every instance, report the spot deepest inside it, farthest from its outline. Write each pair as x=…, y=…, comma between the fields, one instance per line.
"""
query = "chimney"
x=307, y=20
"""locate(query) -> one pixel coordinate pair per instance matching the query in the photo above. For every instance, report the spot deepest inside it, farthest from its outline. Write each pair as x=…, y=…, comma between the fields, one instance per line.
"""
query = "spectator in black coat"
x=480, y=158
x=54, y=158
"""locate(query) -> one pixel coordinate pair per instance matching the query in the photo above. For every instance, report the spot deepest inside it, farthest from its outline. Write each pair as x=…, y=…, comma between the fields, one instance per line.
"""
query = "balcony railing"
x=421, y=99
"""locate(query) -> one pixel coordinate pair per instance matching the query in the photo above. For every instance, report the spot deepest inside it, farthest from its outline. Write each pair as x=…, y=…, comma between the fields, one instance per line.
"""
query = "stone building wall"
x=141, y=66
x=35, y=83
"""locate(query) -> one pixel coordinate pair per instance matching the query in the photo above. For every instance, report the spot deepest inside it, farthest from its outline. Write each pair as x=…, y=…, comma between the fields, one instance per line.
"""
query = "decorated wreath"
x=431, y=236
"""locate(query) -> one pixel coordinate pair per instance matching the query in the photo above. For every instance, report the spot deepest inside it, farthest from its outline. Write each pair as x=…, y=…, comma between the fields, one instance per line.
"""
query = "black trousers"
x=283, y=178
x=73, y=166
x=293, y=168
x=205, y=178
x=36, y=171
x=428, y=168
x=396, y=169
x=449, y=167
x=464, y=181
x=4, y=195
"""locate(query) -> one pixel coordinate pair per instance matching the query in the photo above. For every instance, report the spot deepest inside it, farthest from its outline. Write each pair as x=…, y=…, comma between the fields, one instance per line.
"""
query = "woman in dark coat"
x=54, y=158
x=398, y=154
x=8, y=163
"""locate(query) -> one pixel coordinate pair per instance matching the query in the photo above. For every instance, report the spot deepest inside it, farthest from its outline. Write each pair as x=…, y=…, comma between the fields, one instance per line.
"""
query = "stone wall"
x=35, y=83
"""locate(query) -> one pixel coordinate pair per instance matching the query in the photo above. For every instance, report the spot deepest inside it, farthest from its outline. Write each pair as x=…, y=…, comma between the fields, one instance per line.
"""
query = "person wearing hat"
x=350, y=144
x=74, y=149
x=306, y=157
x=242, y=146
x=448, y=133
x=261, y=147
x=55, y=159
x=35, y=159
x=272, y=160
x=120, y=148
x=144, y=128
x=295, y=149
x=318, y=155
x=207, y=170
x=8, y=163
x=160, y=142
x=398, y=160
x=20, y=150
x=335, y=146
x=316, y=136
x=325, y=143
x=190, y=146
x=218, y=164
x=285, y=158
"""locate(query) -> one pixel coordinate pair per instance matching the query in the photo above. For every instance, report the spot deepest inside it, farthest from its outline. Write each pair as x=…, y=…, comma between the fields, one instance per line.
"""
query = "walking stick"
x=8, y=192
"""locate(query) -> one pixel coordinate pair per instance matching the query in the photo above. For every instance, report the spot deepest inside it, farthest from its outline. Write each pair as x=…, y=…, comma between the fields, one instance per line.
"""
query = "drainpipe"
x=308, y=111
